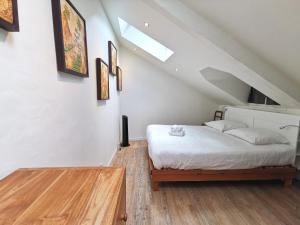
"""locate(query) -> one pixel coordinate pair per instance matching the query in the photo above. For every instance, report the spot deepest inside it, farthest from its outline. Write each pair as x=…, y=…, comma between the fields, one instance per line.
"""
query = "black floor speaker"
x=125, y=137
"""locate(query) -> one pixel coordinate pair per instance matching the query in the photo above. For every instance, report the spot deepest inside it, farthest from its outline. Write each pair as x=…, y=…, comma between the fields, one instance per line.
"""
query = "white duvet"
x=206, y=148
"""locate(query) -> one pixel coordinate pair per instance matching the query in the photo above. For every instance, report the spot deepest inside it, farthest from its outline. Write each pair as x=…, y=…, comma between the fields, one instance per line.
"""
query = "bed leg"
x=287, y=182
x=155, y=186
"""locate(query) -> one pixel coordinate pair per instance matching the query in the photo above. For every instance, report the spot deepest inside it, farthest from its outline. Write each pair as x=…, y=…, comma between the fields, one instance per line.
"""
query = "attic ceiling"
x=199, y=44
x=269, y=27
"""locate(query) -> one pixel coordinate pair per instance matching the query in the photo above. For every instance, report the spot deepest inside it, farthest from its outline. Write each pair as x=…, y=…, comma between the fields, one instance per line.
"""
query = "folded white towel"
x=176, y=128
x=178, y=133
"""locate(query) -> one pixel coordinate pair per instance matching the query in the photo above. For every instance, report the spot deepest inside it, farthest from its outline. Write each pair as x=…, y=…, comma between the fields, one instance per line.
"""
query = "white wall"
x=151, y=96
x=48, y=118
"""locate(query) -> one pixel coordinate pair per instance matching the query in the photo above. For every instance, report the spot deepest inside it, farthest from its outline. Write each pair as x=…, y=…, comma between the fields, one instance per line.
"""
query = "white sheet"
x=206, y=148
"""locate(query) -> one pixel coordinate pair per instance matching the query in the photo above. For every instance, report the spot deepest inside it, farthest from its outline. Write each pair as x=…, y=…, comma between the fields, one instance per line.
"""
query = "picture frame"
x=113, y=58
x=70, y=39
x=9, y=16
x=119, y=79
x=102, y=72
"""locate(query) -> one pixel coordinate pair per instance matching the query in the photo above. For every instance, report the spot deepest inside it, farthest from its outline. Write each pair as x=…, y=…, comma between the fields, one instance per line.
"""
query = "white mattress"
x=206, y=148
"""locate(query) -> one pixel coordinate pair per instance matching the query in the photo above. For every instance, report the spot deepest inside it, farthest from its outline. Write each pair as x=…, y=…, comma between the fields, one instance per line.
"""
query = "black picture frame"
x=119, y=79
x=59, y=42
x=112, y=58
x=11, y=27
x=100, y=73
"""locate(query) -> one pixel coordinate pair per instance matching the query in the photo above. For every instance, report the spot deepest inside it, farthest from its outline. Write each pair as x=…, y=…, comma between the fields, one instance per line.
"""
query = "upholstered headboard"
x=285, y=124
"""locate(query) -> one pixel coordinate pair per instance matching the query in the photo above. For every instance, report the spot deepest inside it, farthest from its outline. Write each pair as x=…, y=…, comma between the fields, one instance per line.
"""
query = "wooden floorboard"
x=207, y=203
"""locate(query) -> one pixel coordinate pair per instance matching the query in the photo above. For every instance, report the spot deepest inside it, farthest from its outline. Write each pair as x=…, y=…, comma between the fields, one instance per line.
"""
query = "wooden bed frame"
x=284, y=173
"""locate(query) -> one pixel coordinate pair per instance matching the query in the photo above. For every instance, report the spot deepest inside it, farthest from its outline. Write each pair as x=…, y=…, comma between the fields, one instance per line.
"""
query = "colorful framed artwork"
x=9, y=19
x=70, y=39
x=102, y=80
x=113, y=58
x=119, y=79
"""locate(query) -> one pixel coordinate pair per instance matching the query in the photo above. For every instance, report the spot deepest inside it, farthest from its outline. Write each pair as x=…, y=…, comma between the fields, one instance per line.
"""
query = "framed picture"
x=102, y=80
x=113, y=58
x=119, y=79
x=9, y=19
x=70, y=39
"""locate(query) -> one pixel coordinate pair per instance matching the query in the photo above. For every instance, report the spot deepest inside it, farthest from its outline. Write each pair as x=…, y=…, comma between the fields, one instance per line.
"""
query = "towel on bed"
x=177, y=131
x=176, y=128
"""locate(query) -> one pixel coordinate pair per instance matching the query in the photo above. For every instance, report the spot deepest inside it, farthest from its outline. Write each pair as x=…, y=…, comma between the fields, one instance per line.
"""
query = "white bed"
x=205, y=154
x=208, y=149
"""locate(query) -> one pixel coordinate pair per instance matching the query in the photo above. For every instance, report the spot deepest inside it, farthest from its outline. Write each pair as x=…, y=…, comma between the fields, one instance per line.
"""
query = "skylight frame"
x=144, y=41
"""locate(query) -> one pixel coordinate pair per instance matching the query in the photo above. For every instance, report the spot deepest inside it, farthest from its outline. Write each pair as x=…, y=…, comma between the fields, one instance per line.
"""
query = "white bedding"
x=206, y=148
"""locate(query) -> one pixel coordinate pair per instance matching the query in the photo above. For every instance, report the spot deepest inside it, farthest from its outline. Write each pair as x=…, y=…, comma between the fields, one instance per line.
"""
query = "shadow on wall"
x=101, y=103
x=64, y=77
x=3, y=35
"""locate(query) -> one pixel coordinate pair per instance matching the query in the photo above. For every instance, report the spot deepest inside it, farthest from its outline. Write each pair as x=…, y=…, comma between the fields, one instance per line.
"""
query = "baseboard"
x=6, y=173
x=113, y=155
x=138, y=139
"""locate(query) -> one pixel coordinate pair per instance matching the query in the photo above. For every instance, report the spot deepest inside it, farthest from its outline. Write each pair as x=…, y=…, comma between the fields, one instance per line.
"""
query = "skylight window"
x=143, y=41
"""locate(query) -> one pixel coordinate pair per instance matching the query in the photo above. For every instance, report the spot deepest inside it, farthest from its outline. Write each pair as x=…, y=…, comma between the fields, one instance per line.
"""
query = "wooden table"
x=61, y=196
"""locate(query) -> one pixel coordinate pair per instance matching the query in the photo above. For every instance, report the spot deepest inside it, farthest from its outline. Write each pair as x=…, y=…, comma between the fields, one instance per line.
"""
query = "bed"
x=205, y=154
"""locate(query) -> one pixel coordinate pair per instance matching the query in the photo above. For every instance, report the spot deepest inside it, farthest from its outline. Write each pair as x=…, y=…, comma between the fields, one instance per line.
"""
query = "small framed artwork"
x=113, y=58
x=9, y=19
x=102, y=80
x=70, y=39
x=119, y=79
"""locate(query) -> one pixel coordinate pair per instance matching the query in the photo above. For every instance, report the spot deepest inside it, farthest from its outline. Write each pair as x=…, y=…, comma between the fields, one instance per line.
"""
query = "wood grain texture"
x=63, y=196
x=207, y=203
x=284, y=173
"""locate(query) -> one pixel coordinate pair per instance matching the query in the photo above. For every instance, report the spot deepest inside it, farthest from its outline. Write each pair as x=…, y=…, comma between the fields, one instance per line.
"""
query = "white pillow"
x=224, y=125
x=258, y=136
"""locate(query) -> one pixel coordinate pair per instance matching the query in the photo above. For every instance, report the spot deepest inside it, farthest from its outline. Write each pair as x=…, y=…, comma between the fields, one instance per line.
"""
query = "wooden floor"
x=232, y=203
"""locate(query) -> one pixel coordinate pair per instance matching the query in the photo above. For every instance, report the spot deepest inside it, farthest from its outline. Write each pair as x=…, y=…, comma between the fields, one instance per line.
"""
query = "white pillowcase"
x=224, y=125
x=258, y=136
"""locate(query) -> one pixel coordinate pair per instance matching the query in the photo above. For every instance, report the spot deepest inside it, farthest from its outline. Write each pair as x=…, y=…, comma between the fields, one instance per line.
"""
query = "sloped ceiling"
x=199, y=44
x=269, y=27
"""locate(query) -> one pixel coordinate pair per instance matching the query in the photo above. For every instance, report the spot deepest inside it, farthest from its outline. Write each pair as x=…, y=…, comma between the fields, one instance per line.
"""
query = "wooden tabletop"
x=60, y=196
